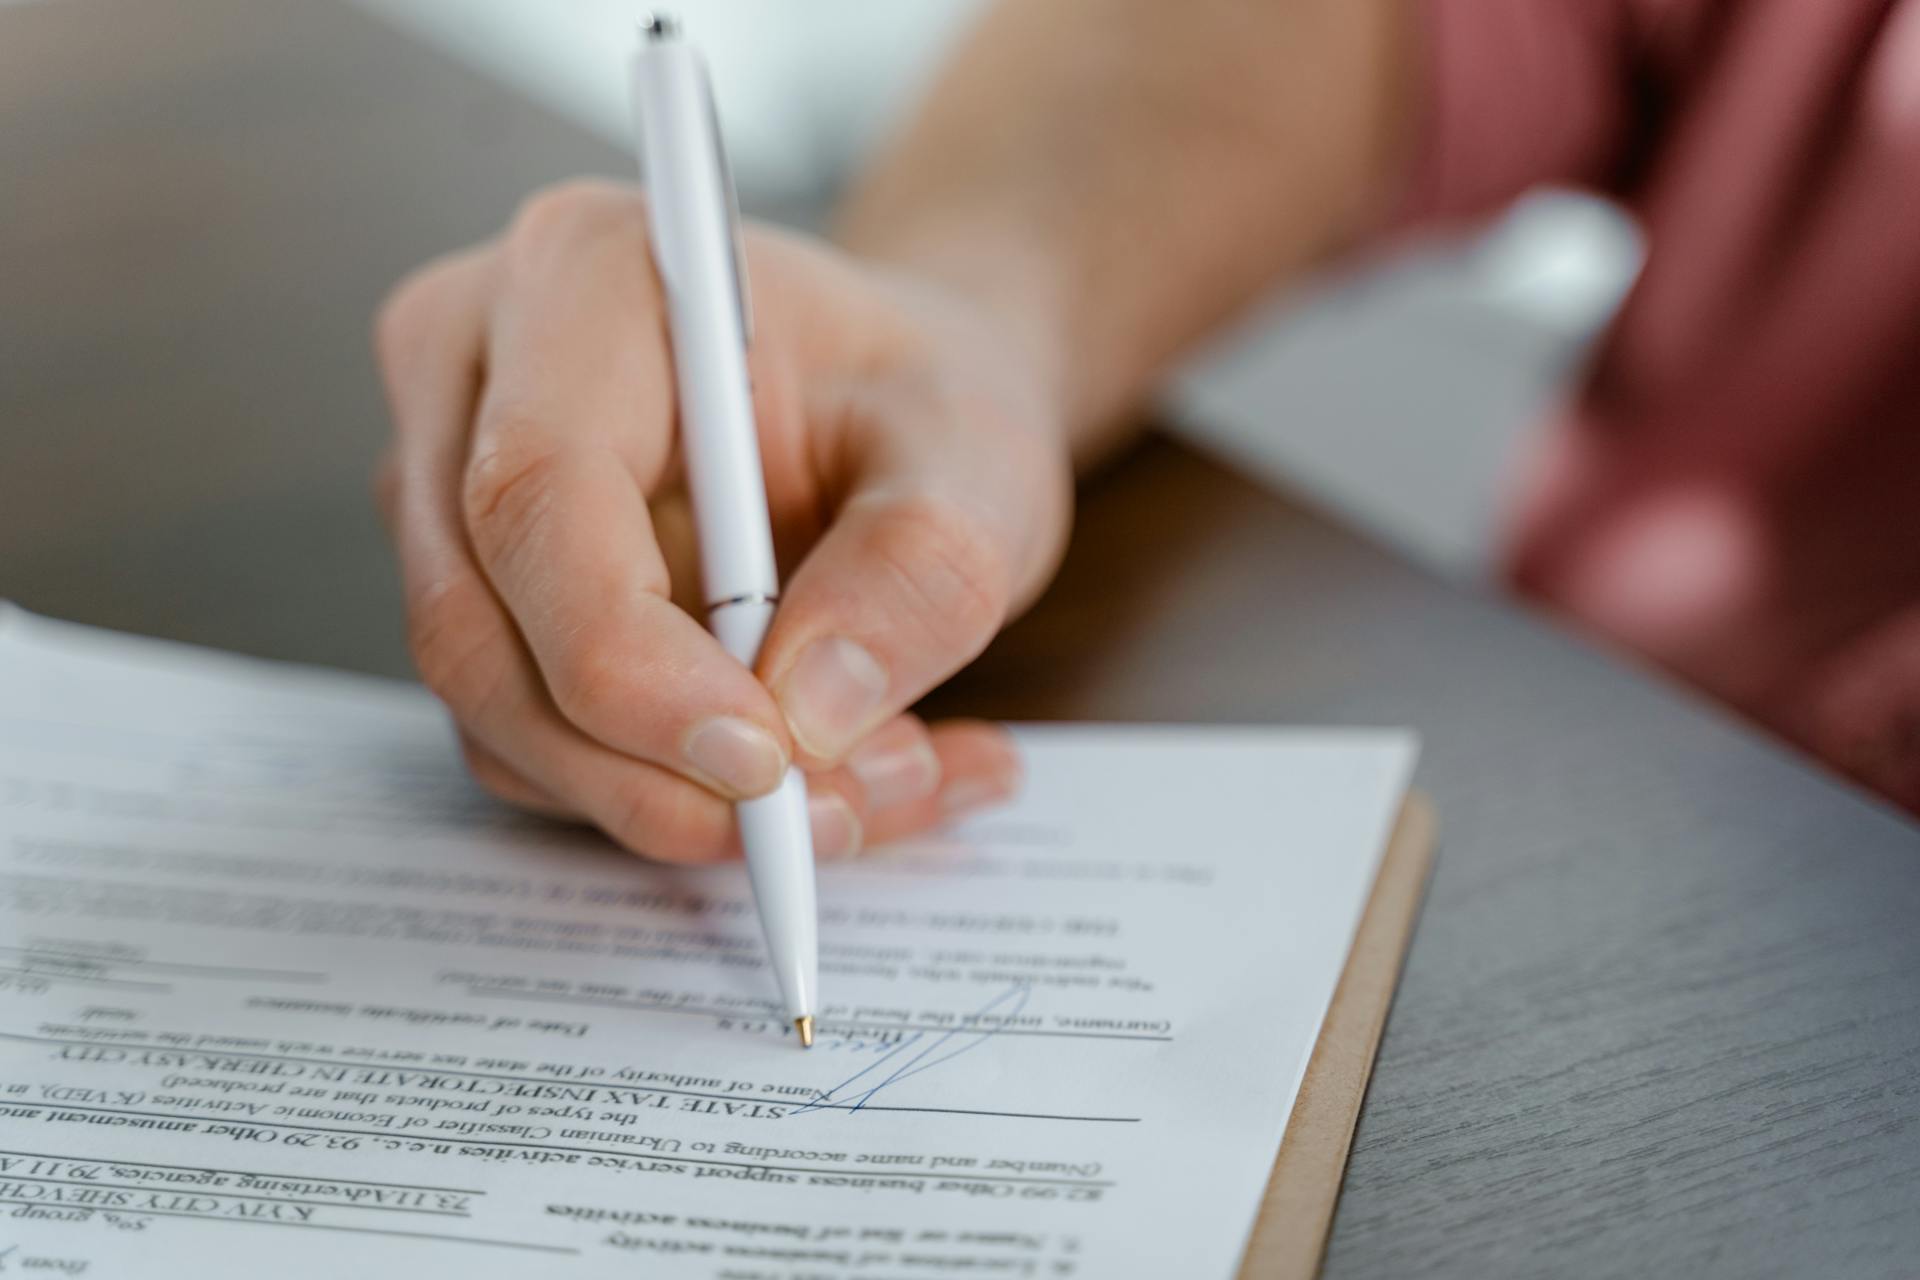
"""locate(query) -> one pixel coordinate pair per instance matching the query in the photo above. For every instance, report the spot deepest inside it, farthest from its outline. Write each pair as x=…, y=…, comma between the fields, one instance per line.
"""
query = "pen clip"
x=656, y=28
x=740, y=297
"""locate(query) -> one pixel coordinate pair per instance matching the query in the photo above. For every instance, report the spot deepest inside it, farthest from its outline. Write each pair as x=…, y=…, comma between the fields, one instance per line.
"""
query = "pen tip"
x=804, y=1025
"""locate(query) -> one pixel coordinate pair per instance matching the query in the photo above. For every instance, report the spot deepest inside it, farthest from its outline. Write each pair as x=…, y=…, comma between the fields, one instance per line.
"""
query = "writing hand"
x=919, y=491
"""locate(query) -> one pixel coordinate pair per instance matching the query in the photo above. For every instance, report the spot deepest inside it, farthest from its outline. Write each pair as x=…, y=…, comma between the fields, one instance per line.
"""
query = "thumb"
x=921, y=566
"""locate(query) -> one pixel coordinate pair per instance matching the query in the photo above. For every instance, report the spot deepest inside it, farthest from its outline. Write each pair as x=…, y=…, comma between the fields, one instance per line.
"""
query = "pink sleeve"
x=1511, y=94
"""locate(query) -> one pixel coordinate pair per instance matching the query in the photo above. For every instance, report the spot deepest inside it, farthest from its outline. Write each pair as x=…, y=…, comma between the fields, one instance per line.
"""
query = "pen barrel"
x=690, y=215
x=777, y=836
x=778, y=841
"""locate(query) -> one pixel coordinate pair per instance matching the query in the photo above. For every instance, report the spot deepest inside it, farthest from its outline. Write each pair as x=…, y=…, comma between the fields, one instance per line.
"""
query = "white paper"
x=283, y=994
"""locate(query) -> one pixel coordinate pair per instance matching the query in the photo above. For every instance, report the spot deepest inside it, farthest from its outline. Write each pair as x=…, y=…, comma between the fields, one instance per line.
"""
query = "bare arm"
x=1115, y=178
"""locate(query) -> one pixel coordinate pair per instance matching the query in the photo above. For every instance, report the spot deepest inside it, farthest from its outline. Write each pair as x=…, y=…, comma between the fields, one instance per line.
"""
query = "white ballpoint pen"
x=696, y=250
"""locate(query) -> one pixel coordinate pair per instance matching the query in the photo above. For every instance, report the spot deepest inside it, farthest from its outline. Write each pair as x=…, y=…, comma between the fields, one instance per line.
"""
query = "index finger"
x=573, y=431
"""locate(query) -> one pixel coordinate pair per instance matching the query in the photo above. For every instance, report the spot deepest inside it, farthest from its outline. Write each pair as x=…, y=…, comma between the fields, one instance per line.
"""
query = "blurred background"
x=205, y=201
x=1467, y=340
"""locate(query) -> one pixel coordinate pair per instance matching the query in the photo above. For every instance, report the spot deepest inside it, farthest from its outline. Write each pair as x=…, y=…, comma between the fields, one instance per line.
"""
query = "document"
x=282, y=993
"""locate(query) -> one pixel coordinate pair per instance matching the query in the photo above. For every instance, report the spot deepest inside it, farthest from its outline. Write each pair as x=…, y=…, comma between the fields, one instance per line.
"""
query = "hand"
x=919, y=488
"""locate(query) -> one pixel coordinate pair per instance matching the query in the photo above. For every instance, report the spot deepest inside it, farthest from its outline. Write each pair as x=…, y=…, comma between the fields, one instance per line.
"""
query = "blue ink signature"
x=925, y=1059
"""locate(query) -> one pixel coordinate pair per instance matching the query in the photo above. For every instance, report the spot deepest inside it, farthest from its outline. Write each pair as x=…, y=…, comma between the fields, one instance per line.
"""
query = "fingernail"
x=836, y=828
x=964, y=795
x=738, y=754
x=893, y=774
x=832, y=695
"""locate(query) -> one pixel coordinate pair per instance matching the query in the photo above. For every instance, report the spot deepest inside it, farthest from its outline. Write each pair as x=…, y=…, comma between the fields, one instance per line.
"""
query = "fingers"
x=901, y=592
x=979, y=764
x=533, y=407
x=470, y=658
x=506, y=783
x=565, y=542
x=429, y=341
x=905, y=779
x=940, y=535
x=465, y=645
x=897, y=766
x=574, y=428
x=911, y=778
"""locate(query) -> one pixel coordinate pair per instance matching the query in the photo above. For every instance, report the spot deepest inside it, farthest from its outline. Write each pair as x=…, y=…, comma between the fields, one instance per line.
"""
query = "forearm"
x=1114, y=178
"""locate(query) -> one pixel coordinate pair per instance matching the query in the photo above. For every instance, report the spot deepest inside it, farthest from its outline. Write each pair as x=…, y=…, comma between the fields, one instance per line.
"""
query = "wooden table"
x=1662, y=1014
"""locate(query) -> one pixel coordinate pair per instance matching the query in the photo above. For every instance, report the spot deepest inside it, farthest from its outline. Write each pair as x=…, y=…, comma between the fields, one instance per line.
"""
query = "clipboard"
x=1290, y=1231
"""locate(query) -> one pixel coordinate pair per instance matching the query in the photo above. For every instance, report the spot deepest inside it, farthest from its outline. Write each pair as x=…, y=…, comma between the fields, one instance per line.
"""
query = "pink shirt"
x=1735, y=490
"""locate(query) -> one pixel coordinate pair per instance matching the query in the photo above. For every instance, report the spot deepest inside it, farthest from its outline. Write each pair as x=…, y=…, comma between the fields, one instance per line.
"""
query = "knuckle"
x=951, y=577
x=404, y=317
x=561, y=214
x=452, y=646
x=507, y=485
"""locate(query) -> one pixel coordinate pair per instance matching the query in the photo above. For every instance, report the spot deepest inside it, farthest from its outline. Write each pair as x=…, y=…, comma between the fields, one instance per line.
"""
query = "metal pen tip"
x=804, y=1025
x=659, y=26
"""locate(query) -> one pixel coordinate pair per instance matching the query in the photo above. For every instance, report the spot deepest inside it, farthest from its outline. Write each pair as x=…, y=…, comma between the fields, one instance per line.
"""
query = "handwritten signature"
x=28, y=1262
x=937, y=1051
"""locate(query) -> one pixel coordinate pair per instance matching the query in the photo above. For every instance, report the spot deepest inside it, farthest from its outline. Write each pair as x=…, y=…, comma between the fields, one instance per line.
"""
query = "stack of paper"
x=282, y=993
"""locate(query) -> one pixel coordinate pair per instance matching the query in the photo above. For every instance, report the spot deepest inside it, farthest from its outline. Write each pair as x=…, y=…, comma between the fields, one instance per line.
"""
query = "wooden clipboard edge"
x=1290, y=1231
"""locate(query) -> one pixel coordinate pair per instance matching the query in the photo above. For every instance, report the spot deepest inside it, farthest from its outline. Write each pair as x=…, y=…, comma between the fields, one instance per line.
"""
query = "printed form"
x=281, y=992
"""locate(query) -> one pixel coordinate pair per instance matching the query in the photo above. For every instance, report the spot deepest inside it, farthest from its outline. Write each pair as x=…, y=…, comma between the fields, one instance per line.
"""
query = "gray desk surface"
x=1662, y=1013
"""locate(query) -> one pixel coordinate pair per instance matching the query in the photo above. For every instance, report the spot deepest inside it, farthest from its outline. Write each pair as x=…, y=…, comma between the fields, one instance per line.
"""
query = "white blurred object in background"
x=802, y=89
x=1394, y=398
